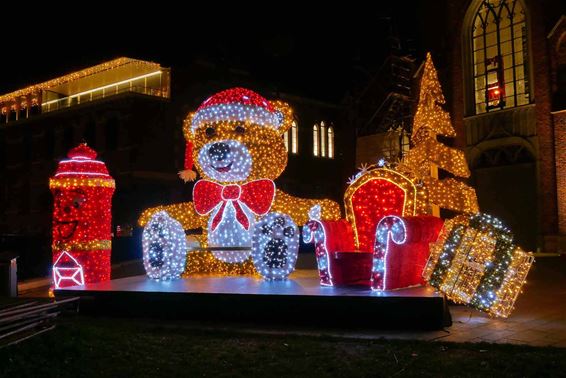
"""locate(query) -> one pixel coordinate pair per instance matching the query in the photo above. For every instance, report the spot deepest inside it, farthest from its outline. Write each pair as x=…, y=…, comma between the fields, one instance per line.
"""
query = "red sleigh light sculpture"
x=82, y=201
x=383, y=242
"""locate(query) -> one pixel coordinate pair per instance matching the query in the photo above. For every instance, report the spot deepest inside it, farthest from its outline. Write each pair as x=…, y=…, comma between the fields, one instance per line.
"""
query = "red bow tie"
x=256, y=195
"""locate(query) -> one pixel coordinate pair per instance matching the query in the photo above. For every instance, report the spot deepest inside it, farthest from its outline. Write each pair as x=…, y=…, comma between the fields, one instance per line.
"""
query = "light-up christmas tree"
x=428, y=155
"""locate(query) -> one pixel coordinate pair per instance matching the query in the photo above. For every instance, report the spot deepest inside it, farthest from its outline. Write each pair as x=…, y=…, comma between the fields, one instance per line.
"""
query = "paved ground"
x=539, y=318
x=540, y=313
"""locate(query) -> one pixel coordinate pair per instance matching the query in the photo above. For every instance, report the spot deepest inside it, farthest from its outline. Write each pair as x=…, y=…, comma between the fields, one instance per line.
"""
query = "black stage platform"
x=300, y=299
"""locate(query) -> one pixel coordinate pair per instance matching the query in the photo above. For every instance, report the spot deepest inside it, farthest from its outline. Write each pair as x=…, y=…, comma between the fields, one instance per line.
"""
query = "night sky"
x=320, y=54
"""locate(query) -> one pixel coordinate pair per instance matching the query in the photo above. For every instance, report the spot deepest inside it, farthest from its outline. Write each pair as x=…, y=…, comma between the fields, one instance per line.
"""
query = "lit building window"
x=291, y=139
x=294, y=138
x=322, y=139
x=315, y=140
x=330, y=142
x=107, y=79
x=500, y=56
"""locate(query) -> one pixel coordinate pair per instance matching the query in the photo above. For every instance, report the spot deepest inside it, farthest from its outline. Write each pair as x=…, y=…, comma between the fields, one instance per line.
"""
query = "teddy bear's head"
x=236, y=136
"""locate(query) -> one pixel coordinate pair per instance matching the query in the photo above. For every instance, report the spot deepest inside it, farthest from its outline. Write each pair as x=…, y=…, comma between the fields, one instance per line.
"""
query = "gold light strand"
x=415, y=197
x=452, y=194
x=298, y=208
x=436, y=248
x=78, y=182
x=428, y=153
x=34, y=89
x=269, y=159
x=515, y=278
x=83, y=246
x=184, y=213
x=204, y=262
x=481, y=268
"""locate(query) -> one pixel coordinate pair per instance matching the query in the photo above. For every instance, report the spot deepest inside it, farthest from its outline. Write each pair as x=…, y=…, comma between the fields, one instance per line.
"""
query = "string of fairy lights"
x=275, y=246
x=390, y=229
x=248, y=226
x=234, y=142
x=82, y=191
x=475, y=261
x=428, y=154
x=394, y=193
x=34, y=90
x=164, y=247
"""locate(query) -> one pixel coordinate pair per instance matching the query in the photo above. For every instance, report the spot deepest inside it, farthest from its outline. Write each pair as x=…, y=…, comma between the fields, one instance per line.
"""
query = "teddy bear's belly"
x=230, y=233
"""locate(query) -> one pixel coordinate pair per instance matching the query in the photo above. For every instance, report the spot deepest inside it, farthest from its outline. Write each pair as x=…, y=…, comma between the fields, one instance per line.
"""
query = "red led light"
x=371, y=202
x=256, y=195
x=82, y=191
x=237, y=96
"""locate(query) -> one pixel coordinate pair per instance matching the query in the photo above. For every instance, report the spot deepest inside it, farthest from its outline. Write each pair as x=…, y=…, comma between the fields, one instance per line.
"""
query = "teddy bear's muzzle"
x=219, y=151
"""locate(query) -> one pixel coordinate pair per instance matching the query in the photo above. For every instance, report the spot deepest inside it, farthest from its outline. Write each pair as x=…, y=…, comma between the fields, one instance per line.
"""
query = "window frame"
x=315, y=140
x=322, y=139
x=294, y=137
x=330, y=142
x=470, y=65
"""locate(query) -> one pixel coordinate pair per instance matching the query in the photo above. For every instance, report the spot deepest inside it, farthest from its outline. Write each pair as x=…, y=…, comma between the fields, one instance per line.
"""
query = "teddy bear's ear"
x=187, y=127
x=285, y=115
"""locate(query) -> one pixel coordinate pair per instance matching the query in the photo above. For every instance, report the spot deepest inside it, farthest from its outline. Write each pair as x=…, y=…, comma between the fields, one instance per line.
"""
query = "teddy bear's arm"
x=182, y=212
x=298, y=208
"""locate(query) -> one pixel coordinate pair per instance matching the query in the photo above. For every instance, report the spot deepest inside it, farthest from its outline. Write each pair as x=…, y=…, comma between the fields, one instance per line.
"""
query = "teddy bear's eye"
x=210, y=131
x=240, y=129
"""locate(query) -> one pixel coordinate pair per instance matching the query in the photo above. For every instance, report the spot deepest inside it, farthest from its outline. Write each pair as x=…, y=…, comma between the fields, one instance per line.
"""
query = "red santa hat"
x=235, y=104
x=81, y=163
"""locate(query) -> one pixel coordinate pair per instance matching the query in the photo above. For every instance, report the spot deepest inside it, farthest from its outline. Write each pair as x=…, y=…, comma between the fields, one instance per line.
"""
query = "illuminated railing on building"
x=125, y=86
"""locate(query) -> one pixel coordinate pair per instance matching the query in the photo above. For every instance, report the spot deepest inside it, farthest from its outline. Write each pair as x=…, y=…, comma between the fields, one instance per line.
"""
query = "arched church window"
x=315, y=137
x=330, y=141
x=291, y=138
x=322, y=139
x=500, y=56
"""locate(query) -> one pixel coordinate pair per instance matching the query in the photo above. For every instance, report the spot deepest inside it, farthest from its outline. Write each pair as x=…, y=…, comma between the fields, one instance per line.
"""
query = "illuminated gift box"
x=474, y=261
x=383, y=243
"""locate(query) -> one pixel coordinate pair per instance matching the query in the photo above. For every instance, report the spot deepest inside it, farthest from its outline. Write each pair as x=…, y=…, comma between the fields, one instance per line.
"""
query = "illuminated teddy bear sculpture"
x=235, y=141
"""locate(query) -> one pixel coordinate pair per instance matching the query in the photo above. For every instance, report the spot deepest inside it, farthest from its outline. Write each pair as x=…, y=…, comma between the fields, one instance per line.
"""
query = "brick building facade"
x=516, y=149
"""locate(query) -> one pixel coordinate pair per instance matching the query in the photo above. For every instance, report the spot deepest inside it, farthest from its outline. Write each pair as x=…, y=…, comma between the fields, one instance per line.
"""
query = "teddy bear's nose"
x=218, y=151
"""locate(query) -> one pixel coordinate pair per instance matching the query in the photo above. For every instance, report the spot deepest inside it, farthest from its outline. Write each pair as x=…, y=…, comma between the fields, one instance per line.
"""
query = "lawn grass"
x=99, y=347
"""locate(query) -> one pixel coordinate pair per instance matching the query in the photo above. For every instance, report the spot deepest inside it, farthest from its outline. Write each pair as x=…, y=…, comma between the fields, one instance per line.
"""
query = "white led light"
x=104, y=87
x=275, y=246
x=82, y=173
x=67, y=269
x=231, y=112
x=314, y=232
x=393, y=226
x=79, y=159
x=230, y=233
x=164, y=247
x=225, y=161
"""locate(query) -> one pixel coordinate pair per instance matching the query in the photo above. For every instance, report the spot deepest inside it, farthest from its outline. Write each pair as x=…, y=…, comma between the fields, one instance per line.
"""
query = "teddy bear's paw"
x=164, y=247
x=275, y=246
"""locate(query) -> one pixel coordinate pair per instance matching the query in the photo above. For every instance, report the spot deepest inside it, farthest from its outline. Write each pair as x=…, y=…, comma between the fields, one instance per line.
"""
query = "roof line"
x=74, y=76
